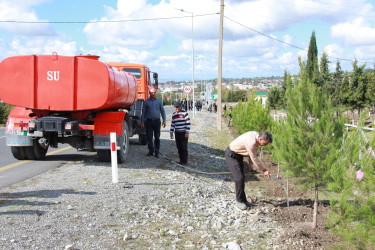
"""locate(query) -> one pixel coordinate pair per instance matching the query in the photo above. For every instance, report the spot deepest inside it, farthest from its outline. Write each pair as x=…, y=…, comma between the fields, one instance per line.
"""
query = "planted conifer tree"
x=353, y=209
x=308, y=143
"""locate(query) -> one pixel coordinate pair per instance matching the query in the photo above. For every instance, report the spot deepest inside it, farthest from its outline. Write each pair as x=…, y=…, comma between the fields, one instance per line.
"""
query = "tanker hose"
x=225, y=173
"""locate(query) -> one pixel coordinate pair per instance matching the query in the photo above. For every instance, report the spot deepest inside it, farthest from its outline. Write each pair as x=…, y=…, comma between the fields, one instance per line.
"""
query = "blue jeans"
x=153, y=130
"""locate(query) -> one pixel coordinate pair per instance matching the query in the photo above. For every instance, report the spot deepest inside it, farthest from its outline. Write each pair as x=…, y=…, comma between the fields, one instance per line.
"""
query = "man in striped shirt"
x=180, y=126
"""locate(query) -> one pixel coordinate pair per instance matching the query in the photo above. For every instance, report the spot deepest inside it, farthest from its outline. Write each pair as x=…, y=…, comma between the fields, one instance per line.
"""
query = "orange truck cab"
x=77, y=100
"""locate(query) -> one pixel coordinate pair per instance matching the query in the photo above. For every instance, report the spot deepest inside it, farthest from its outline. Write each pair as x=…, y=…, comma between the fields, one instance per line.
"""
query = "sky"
x=260, y=37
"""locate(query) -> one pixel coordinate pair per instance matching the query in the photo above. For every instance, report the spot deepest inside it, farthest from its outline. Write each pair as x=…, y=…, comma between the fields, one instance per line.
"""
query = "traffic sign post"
x=187, y=89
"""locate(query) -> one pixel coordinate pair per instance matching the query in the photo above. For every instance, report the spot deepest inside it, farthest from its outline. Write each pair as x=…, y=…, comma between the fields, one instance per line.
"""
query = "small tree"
x=309, y=141
x=251, y=116
x=274, y=98
x=353, y=209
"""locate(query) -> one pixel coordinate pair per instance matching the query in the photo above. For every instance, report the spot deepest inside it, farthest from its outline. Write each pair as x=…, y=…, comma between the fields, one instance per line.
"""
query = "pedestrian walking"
x=180, y=126
x=246, y=145
x=151, y=112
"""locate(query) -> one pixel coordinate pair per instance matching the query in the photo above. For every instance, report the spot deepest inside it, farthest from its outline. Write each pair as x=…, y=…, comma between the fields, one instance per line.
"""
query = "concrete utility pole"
x=220, y=64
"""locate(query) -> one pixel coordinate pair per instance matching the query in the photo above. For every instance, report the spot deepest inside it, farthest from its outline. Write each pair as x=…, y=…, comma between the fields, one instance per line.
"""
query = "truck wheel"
x=18, y=153
x=36, y=151
x=122, y=154
x=142, y=140
x=104, y=155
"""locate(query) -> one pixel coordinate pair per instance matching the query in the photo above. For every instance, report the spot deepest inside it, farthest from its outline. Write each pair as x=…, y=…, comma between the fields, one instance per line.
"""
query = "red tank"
x=65, y=83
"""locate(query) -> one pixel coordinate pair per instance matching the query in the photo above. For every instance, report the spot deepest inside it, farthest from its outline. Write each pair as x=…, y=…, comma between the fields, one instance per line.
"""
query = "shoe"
x=149, y=154
x=181, y=163
x=249, y=204
x=241, y=205
x=157, y=155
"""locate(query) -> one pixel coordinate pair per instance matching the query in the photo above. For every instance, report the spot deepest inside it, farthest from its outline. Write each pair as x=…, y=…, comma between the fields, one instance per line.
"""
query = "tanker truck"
x=77, y=100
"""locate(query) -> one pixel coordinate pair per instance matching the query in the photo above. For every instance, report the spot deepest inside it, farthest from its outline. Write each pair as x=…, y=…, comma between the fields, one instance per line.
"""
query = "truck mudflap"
x=104, y=141
x=106, y=123
x=16, y=130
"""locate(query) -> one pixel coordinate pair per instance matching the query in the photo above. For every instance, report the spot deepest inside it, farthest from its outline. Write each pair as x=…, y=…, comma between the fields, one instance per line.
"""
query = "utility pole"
x=220, y=64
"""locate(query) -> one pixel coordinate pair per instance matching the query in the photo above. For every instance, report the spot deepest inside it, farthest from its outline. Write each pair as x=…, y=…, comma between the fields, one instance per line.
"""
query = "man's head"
x=153, y=93
x=265, y=138
x=177, y=106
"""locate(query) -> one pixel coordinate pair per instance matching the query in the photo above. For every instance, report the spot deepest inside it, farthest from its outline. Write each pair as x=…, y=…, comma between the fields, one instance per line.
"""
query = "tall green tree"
x=370, y=94
x=358, y=86
x=338, y=76
x=325, y=75
x=308, y=143
x=312, y=58
x=274, y=98
x=345, y=90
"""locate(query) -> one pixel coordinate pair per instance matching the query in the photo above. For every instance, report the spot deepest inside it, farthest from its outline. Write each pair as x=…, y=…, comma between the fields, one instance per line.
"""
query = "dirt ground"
x=297, y=219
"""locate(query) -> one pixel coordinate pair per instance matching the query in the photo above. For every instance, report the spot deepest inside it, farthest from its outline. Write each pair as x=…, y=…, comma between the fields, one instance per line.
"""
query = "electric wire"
x=288, y=44
x=103, y=21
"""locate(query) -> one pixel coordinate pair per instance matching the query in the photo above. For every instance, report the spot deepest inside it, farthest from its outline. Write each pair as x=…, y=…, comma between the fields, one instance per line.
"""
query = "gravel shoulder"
x=155, y=205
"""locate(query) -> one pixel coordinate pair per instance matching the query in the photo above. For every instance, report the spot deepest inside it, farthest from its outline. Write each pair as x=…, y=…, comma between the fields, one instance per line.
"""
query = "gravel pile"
x=155, y=205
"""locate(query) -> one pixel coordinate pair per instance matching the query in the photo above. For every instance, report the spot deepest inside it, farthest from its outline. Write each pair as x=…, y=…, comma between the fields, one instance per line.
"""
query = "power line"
x=103, y=21
x=289, y=44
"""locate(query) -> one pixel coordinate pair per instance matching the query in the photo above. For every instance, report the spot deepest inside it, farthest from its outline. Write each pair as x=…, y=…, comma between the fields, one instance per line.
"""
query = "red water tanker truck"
x=77, y=100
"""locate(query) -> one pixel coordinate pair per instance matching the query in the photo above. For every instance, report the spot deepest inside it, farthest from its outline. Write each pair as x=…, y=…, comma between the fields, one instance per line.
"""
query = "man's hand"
x=164, y=124
x=171, y=136
x=266, y=173
x=142, y=125
x=186, y=135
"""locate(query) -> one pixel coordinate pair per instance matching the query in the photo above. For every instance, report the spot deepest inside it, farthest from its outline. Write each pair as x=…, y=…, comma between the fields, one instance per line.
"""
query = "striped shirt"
x=180, y=122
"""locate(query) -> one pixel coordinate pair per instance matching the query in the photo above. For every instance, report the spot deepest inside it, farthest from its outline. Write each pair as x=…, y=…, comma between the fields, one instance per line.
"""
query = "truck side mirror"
x=156, y=82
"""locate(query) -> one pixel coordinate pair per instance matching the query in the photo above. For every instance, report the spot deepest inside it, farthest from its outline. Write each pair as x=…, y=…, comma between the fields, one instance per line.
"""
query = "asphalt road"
x=13, y=171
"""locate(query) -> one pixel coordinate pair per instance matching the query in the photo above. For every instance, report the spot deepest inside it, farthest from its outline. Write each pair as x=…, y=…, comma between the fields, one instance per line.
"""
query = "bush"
x=4, y=112
x=251, y=116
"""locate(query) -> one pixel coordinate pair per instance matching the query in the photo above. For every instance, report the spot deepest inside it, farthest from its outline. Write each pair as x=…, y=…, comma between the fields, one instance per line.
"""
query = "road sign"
x=187, y=89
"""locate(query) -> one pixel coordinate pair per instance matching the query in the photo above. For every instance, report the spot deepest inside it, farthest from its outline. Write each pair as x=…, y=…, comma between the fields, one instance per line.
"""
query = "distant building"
x=262, y=94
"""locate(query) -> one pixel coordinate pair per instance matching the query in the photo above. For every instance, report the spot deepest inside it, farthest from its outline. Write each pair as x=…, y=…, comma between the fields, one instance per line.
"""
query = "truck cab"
x=143, y=75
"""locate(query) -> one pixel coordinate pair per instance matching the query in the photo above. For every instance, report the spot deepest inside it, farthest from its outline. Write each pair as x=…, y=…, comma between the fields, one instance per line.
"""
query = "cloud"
x=365, y=53
x=355, y=33
x=22, y=11
x=37, y=46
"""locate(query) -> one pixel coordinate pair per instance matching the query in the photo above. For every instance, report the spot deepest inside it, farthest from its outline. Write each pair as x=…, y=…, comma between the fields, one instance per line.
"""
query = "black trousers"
x=153, y=130
x=236, y=166
x=182, y=146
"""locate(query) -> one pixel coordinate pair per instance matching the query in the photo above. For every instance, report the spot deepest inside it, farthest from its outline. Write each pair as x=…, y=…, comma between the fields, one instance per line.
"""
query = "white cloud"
x=365, y=53
x=355, y=33
x=42, y=46
x=22, y=11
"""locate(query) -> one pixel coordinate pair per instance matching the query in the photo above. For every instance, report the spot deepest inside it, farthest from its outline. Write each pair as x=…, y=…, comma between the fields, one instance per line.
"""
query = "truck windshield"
x=135, y=72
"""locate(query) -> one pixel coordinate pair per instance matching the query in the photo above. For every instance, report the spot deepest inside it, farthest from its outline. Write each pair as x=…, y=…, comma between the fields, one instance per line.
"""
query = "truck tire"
x=142, y=140
x=18, y=153
x=122, y=154
x=104, y=155
x=36, y=151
